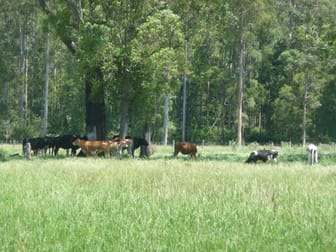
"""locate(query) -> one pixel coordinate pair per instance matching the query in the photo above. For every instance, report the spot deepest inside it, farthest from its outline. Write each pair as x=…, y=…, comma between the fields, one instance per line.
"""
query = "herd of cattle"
x=114, y=147
x=117, y=145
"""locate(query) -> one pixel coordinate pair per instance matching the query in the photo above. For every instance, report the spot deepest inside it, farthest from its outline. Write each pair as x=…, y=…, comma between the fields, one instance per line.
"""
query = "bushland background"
x=217, y=71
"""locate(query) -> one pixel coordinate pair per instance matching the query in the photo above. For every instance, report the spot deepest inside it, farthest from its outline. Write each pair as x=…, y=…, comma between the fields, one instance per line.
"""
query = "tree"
x=46, y=87
x=256, y=70
x=325, y=114
x=158, y=48
x=70, y=25
x=302, y=61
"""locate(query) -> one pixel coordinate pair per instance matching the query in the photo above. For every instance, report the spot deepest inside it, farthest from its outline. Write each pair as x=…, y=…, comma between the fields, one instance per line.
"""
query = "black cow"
x=137, y=142
x=65, y=142
x=50, y=143
x=37, y=144
x=262, y=155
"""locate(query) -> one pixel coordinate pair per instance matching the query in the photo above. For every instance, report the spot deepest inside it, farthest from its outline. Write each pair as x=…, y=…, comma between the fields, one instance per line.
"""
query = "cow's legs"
x=73, y=151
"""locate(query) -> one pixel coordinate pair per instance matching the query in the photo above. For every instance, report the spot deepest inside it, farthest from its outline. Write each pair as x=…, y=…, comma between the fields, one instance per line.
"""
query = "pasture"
x=215, y=203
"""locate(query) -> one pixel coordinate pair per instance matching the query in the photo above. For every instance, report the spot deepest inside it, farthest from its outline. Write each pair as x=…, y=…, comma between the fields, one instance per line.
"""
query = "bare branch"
x=64, y=36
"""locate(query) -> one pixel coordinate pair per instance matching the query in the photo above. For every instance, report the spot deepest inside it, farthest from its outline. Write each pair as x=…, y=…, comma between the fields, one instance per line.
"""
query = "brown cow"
x=185, y=148
x=89, y=147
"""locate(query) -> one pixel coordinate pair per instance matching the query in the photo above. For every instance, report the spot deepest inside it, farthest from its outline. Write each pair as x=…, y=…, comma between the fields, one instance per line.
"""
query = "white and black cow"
x=137, y=142
x=312, y=154
x=262, y=155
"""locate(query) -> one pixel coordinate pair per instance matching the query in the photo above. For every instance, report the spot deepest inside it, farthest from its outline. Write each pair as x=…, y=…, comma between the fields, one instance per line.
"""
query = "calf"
x=262, y=155
x=118, y=145
x=136, y=143
x=185, y=148
x=89, y=147
x=312, y=154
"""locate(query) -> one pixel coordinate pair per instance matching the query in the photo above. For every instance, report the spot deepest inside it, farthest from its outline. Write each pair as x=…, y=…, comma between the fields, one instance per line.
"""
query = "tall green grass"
x=166, y=204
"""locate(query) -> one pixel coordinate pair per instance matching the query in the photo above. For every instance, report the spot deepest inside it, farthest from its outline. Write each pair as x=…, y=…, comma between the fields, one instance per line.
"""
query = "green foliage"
x=21, y=130
x=158, y=48
x=326, y=115
x=3, y=155
x=134, y=52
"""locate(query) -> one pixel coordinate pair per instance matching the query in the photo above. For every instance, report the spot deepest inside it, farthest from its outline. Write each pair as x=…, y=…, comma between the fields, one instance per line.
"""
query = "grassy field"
x=216, y=203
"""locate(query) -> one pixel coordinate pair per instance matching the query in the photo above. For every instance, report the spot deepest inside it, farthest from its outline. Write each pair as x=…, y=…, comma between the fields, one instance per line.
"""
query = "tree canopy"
x=217, y=71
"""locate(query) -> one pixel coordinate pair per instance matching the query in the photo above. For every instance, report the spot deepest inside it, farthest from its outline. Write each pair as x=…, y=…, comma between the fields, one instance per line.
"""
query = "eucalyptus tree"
x=123, y=74
x=158, y=52
x=302, y=67
x=207, y=61
x=9, y=31
x=250, y=16
x=21, y=57
x=100, y=34
x=325, y=115
x=78, y=25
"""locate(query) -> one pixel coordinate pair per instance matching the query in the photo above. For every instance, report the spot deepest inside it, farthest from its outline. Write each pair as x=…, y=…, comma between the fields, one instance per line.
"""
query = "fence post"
x=28, y=151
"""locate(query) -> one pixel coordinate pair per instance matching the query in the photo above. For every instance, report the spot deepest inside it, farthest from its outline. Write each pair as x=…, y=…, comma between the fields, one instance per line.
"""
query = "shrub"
x=3, y=156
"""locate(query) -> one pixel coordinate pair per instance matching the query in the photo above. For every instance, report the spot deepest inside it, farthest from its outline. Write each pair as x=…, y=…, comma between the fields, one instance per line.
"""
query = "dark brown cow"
x=185, y=148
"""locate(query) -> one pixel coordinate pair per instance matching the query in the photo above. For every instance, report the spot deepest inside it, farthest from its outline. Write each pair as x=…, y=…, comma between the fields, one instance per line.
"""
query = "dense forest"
x=220, y=71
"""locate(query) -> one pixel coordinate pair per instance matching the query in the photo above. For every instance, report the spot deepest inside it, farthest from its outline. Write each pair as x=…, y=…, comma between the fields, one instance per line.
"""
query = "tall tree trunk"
x=95, y=108
x=24, y=72
x=4, y=101
x=26, y=84
x=123, y=118
x=166, y=119
x=305, y=101
x=125, y=107
x=184, y=105
x=4, y=110
x=148, y=133
x=240, y=93
x=146, y=151
x=291, y=18
x=46, y=88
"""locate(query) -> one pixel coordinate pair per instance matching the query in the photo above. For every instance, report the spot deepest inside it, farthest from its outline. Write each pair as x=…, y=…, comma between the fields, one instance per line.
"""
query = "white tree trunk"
x=46, y=89
x=184, y=106
x=165, y=120
x=22, y=97
x=240, y=94
x=305, y=101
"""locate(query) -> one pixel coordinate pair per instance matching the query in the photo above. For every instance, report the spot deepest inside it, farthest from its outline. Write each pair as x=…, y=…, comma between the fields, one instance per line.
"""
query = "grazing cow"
x=137, y=142
x=262, y=155
x=89, y=147
x=312, y=154
x=185, y=148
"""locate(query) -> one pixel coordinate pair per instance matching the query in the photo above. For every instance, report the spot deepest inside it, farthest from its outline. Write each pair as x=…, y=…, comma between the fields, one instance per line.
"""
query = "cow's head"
x=76, y=141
